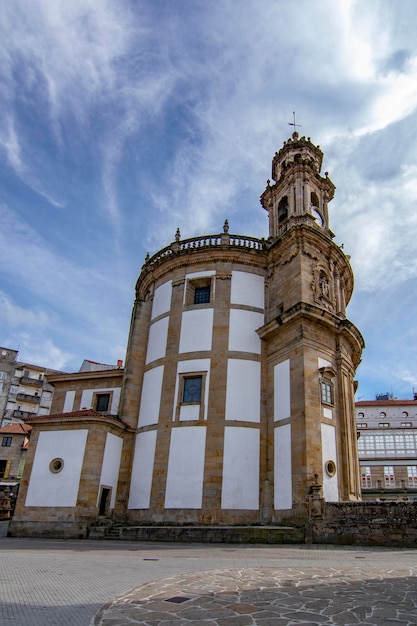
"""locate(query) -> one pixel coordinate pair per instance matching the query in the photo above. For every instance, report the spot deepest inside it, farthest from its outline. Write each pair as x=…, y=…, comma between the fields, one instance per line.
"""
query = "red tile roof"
x=16, y=429
x=385, y=402
x=82, y=413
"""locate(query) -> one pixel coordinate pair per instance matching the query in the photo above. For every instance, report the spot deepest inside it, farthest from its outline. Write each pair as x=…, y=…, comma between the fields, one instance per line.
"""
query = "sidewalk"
x=58, y=583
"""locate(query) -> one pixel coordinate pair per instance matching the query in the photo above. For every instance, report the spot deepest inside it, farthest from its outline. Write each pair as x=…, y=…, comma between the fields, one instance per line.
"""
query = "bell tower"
x=299, y=192
x=311, y=351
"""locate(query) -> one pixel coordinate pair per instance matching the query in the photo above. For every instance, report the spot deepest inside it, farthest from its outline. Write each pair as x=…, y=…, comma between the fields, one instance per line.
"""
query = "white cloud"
x=141, y=117
x=16, y=316
x=42, y=352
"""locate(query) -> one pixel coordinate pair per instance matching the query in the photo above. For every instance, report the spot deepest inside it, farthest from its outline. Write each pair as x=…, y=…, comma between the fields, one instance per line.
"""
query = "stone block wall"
x=364, y=524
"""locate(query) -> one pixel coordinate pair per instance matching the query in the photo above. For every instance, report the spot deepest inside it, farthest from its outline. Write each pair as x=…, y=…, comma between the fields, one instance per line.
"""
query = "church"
x=237, y=394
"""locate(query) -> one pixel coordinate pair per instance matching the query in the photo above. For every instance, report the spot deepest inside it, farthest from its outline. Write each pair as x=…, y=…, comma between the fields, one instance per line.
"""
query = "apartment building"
x=387, y=447
x=24, y=389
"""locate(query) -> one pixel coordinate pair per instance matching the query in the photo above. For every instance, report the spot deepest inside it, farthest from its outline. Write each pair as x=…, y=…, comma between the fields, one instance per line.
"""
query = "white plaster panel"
x=69, y=401
x=323, y=363
x=328, y=413
x=242, y=330
x=61, y=489
x=87, y=398
x=142, y=470
x=282, y=399
x=151, y=396
x=162, y=299
x=247, y=289
x=196, y=330
x=185, y=367
x=184, y=488
x=202, y=274
x=282, y=468
x=189, y=412
x=111, y=465
x=240, y=488
x=157, y=342
x=243, y=393
x=328, y=447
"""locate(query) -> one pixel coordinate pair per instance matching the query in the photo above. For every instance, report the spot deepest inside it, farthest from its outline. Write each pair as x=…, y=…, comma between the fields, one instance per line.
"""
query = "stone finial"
x=226, y=226
x=177, y=235
x=147, y=257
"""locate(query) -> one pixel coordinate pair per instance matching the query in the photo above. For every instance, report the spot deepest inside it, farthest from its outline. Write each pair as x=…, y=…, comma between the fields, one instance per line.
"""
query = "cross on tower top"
x=294, y=125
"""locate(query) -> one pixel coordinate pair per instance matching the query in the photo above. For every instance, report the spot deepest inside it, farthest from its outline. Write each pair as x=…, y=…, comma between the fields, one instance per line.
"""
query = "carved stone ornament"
x=323, y=288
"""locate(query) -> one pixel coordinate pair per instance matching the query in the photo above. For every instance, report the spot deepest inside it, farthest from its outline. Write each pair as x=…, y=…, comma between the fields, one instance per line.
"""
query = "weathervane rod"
x=293, y=122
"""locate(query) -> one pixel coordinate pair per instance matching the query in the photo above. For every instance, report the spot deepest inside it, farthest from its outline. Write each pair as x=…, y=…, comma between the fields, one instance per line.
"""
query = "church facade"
x=237, y=395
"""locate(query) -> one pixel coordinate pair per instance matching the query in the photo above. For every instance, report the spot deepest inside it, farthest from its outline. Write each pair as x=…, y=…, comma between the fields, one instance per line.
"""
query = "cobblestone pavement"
x=73, y=583
x=270, y=597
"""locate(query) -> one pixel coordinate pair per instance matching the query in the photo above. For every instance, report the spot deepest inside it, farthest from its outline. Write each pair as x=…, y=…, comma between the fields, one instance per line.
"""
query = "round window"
x=56, y=465
x=330, y=467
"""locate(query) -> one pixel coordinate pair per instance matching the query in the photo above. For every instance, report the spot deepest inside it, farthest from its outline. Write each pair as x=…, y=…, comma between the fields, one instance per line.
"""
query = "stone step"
x=206, y=534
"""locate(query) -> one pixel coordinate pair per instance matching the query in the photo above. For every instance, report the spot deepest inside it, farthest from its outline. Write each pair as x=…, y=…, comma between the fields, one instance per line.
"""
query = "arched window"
x=282, y=209
x=314, y=199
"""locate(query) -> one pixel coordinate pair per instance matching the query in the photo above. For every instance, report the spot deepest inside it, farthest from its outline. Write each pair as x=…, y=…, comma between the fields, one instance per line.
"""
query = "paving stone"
x=59, y=583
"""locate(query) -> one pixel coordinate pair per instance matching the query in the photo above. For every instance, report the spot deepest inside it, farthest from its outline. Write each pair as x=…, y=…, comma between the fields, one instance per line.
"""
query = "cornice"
x=99, y=374
x=315, y=314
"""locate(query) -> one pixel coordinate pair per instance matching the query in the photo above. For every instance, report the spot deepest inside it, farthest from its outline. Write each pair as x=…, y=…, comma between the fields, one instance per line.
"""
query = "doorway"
x=104, y=500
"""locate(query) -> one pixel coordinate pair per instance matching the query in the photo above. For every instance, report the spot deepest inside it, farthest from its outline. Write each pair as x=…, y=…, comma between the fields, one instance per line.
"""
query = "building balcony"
x=35, y=382
x=22, y=414
x=393, y=486
x=26, y=397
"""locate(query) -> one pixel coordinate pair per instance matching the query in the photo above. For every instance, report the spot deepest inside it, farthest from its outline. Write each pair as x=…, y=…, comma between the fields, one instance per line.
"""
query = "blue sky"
x=124, y=120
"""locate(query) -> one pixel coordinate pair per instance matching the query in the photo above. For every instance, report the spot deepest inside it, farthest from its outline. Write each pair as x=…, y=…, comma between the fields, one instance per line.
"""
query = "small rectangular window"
x=361, y=425
x=198, y=291
x=326, y=392
x=102, y=402
x=192, y=390
x=20, y=468
x=366, y=477
x=202, y=295
x=6, y=442
x=389, y=476
x=406, y=424
x=383, y=424
x=412, y=475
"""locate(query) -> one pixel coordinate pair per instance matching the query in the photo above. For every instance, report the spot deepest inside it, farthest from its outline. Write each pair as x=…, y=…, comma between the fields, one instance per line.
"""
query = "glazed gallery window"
x=412, y=475
x=6, y=442
x=192, y=387
x=394, y=443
